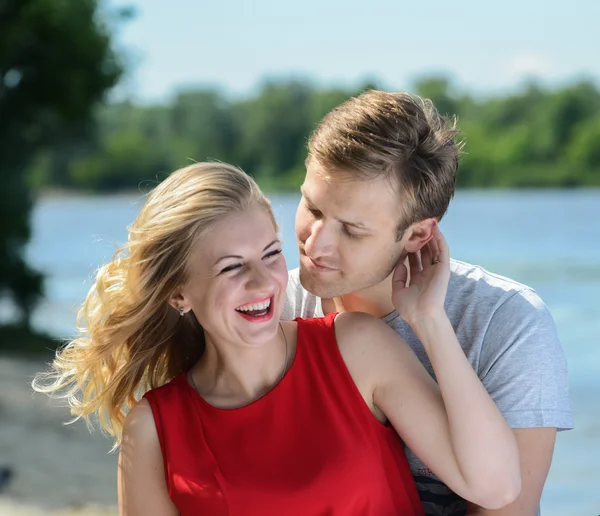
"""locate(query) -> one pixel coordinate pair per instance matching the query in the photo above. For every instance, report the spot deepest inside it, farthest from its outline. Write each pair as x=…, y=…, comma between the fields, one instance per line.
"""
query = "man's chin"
x=320, y=287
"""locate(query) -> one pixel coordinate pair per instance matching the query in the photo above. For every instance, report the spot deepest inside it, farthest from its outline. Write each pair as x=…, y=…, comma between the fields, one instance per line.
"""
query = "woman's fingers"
x=434, y=248
x=414, y=260
x=400, y=276
x=439, y=245
x=426, y=255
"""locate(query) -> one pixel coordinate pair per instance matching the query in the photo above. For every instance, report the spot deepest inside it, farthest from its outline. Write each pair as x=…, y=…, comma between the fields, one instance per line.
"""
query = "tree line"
x=537, y=137
x=58, y=63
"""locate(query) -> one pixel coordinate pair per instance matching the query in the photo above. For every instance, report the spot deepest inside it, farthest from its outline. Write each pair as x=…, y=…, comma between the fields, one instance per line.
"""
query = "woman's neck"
x=230, y=374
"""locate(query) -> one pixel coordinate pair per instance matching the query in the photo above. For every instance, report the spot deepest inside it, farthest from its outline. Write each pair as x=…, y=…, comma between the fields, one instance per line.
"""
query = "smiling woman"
x=236, y=276
x=241, y=413
x=131, y=338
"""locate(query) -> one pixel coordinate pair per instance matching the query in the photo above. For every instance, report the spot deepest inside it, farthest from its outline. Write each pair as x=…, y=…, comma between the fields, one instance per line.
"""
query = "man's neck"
x=376, y=300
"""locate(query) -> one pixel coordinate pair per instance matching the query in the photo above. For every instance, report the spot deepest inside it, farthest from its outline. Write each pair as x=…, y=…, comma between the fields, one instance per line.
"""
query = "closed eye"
x=349, y=233
x=272, y=254
x=312, y=210
x=235, y=266
x=230, y=268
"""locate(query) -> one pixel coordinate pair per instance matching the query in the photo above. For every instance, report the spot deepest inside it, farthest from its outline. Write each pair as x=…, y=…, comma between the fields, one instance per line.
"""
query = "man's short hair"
x=393, y=135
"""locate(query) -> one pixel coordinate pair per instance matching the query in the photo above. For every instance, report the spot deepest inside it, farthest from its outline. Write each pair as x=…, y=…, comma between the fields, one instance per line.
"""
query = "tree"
x=274, y=127
x=439, y=91
x=56, y=65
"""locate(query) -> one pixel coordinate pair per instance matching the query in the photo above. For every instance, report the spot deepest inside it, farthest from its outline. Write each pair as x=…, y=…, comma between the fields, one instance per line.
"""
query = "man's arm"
x=524, y=369
x=536, y=446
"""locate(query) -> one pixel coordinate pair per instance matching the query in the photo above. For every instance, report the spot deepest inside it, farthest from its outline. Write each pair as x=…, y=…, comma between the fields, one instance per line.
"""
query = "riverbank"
x=54, y=466
x=63, y=470
x=10, y=508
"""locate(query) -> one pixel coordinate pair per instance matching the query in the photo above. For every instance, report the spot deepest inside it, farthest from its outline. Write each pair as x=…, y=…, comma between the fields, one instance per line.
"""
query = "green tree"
x=534, y=137
x=439, y=91
x=56, y=64
x=274, y=127
x=584, y=150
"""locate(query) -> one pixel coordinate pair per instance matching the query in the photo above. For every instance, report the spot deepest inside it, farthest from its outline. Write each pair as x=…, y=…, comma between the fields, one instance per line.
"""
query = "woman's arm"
x=453, y=426
x=141, y=480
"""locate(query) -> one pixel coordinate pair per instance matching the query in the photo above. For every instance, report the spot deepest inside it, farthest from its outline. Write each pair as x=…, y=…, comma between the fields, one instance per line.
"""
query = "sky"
x=486, y=48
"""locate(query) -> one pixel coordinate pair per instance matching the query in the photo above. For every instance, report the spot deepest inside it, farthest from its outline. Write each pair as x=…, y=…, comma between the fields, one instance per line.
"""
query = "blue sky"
x=484, y=47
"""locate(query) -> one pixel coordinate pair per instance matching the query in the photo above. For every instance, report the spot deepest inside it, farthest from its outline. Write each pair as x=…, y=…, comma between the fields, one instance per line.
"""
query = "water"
x=548, y=240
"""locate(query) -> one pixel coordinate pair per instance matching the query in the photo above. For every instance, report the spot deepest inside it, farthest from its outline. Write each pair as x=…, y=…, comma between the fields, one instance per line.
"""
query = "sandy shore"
x=55, y=467
x=63, y=470
x=9, y=508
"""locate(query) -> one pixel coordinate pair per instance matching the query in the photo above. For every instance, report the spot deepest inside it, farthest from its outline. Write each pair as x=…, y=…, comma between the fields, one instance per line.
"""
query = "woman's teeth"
x=261, y=308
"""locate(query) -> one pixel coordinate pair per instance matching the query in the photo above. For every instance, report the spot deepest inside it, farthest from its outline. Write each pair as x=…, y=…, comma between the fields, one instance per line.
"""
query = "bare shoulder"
x=142, y=487
x=372, y=352
x=371, y=348
x=139, y=427
x=361, y=331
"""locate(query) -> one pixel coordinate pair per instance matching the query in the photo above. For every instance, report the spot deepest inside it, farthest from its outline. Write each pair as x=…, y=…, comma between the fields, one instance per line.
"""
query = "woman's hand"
x=425, y=293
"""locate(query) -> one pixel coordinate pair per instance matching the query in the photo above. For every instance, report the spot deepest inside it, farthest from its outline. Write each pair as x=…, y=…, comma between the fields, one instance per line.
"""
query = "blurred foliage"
x=20, y=340
x=56, y=63
x=535, y=138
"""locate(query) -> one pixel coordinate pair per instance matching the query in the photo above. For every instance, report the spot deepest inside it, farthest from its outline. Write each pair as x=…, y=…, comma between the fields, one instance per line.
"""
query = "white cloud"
x=528, y=65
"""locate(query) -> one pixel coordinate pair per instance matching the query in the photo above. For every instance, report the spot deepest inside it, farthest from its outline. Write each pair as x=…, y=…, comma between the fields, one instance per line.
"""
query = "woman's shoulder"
x=348, y=329
x=157, y=405
x=139, y=425
x=167, y=390
x=366, y=340
x=359, y=329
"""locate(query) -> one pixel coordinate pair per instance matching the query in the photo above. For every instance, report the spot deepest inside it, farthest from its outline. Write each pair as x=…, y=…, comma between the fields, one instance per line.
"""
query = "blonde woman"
x=247, y=415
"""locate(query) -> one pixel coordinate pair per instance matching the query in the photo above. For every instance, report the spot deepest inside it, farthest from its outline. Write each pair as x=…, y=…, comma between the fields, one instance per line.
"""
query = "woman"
x=252, y=416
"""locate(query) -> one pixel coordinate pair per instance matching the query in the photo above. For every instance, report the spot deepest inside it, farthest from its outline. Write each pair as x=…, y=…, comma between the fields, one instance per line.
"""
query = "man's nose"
x=320, y=241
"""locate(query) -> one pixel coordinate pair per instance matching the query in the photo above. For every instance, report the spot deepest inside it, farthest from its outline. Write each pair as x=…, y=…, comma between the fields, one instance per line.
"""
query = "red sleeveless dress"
x=309, y=447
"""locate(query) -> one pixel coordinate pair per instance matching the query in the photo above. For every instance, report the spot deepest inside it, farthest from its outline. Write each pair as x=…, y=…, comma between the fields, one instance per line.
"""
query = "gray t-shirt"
x=508, y=336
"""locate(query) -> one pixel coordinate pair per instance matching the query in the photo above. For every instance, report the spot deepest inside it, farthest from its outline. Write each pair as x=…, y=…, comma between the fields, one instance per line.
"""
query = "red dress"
x=309, y=447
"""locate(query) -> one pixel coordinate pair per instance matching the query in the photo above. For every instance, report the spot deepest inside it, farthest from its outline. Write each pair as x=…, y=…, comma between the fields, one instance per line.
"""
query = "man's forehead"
x=358, y=202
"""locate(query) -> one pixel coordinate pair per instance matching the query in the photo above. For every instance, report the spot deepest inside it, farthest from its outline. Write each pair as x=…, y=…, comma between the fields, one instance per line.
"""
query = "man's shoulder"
x=475, y=288
x=298, y=301
x=485, y=307
x=294, y=287
x=463, y=272
x=294, y=277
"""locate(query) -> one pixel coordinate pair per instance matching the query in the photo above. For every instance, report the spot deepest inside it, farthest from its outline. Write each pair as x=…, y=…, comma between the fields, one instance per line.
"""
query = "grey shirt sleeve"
x=298, y=302
x=523, y=366
x=293, y=297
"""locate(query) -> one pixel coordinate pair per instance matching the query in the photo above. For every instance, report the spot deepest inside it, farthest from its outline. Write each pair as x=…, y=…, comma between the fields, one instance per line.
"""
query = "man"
x=381, y=171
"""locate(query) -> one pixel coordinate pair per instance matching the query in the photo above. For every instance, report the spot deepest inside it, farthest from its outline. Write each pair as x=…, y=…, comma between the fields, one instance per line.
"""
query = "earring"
x=181, y=312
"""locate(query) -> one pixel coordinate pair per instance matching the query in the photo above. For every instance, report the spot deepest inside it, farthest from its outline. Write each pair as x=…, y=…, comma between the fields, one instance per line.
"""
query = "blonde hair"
x=129, y=339
x=393, y=135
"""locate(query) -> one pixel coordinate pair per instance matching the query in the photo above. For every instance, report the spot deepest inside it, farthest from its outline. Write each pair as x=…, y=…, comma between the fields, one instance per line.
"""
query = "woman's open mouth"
x=258, y=310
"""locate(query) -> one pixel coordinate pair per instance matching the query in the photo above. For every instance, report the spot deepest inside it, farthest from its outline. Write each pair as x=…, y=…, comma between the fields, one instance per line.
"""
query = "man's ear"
x=418, y=234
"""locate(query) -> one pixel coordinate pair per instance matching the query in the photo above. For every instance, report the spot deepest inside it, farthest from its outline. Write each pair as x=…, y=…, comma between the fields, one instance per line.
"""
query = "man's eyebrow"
x=237, y=257
x=305, y=195
x=357, y=225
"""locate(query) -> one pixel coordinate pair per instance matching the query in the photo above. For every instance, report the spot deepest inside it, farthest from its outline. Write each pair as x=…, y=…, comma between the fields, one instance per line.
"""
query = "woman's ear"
x=419, y=234
x=177, y=300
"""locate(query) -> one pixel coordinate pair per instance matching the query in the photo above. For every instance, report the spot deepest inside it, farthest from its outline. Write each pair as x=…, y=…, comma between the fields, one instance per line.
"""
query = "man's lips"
x=318, y=266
